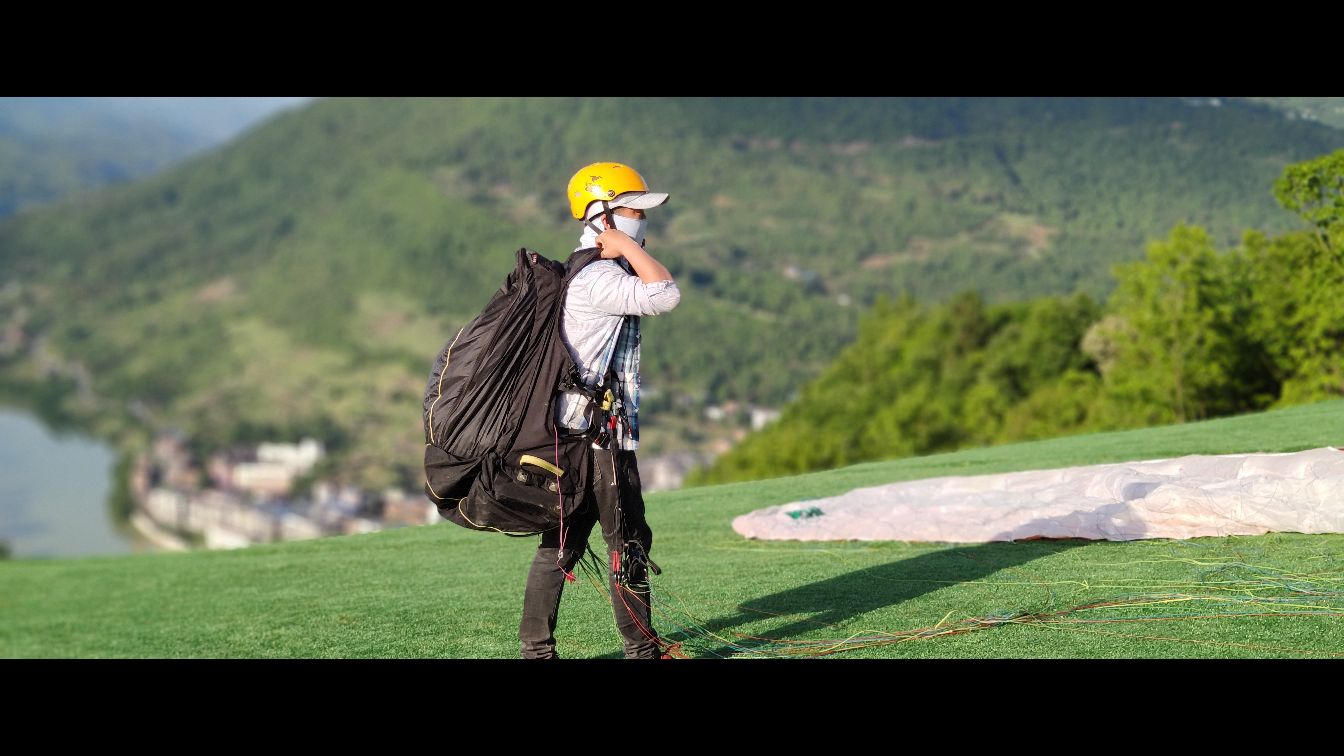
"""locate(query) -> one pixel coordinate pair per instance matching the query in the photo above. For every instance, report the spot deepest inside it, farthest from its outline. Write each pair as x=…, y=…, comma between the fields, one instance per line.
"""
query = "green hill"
x=53, y=146
x=300, y=280
x=441, y=591
x=1191, y=332
x=1327, y=110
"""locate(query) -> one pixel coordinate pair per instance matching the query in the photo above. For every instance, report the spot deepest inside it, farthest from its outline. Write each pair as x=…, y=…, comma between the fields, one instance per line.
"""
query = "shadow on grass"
x=835, y=600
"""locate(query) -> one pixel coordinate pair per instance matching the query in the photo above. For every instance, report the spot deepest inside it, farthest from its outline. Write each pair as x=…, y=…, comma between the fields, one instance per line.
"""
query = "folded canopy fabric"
x=1183, y=497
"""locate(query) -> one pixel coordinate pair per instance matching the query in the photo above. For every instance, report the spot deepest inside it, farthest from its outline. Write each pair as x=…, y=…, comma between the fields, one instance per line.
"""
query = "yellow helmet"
x=613, y=184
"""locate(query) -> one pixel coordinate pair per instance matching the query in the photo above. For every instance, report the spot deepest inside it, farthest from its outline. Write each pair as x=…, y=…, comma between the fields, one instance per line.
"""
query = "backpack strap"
x=602, y=401
x=580, y=260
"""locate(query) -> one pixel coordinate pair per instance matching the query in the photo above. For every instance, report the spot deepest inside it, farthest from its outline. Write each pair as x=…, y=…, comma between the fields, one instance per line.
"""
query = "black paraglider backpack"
x=494, y=457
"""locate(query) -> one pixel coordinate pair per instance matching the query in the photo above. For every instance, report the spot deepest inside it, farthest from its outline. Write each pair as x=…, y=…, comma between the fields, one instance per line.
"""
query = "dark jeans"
x=617, y=502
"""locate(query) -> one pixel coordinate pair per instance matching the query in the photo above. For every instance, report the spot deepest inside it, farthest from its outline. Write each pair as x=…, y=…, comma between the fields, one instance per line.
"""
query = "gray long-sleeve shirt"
x=600, y=297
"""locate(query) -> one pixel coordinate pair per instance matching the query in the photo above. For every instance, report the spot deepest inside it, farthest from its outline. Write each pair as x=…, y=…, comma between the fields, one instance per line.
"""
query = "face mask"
x=633, y=227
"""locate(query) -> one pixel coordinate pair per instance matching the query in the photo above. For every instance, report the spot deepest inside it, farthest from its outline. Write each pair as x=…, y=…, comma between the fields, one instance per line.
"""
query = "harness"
x=606, y=409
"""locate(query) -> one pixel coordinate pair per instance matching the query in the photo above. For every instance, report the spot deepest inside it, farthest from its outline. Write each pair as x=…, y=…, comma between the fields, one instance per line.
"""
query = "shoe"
x=673, y=652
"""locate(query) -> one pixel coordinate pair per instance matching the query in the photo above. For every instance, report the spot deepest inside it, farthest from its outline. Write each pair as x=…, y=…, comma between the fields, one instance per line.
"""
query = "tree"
x=1314, y=189
x=1296, y=315
x=1176, y=343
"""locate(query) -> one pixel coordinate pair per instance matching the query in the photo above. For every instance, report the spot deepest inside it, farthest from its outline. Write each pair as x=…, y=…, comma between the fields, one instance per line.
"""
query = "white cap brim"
x=640, y=200
x=632, y=200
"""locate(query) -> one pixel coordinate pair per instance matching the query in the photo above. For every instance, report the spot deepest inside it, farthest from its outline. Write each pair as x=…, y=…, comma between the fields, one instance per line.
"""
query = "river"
x=54, y=493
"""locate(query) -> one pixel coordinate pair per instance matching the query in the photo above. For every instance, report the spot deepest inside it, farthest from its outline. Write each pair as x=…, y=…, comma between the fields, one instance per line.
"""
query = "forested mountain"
x=52, y=146
x=301, y=279
x=1327, y=110
x=1191, y=332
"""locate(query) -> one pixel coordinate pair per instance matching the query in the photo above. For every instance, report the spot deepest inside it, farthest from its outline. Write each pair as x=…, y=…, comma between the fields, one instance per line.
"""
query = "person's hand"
x=612, y=243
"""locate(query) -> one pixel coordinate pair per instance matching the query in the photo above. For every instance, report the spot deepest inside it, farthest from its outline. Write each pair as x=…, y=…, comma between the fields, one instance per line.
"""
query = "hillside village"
x=266, y=493
x=247, y=496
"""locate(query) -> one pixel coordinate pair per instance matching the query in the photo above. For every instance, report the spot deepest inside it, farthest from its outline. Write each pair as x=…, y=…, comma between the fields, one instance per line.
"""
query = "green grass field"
x=443, y=592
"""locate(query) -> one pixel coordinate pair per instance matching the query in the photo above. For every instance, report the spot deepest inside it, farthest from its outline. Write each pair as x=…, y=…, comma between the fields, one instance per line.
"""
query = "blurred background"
x=218, y=315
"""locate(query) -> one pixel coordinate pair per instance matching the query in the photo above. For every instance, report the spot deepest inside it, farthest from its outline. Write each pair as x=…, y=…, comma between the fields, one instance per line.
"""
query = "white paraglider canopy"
x=1183, y=497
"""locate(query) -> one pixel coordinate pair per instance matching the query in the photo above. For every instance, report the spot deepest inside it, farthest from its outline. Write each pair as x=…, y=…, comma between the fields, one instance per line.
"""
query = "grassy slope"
x=442, y=591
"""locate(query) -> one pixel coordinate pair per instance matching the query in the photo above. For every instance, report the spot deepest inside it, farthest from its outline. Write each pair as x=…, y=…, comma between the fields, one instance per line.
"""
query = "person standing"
x=600, y=328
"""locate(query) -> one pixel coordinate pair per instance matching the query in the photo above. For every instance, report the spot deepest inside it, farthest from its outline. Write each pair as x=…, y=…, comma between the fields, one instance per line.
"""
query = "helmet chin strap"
x=606, y=210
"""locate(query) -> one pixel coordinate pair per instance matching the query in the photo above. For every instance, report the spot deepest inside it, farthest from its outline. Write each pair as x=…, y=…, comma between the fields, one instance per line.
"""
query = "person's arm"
x=606, y=288
x=616, y=243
